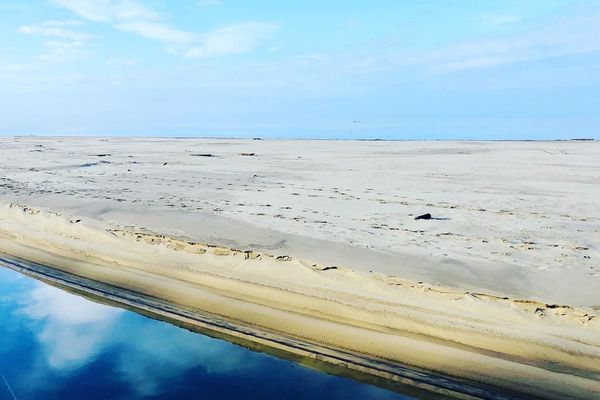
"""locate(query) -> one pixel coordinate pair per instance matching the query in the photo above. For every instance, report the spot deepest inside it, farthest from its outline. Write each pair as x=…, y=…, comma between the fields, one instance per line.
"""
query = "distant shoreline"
x=278, y=138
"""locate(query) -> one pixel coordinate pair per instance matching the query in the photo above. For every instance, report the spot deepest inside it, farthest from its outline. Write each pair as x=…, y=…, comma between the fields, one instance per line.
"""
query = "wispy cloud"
x=492, y=20
x=62, y=51
x=566, y=35
x=109, y=10
x=157, y=31
x=55, y=29
x=134, y=17
x=66, y=44
x=232, y=39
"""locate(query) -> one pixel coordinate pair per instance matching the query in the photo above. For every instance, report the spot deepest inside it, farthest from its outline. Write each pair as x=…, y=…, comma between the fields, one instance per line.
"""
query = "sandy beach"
x=318, y=240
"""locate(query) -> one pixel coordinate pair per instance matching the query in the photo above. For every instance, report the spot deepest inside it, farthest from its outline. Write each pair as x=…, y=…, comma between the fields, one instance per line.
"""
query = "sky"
x=390, y=69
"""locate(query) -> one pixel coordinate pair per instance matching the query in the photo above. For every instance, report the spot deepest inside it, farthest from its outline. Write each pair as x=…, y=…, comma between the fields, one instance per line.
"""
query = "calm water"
x=54, y=344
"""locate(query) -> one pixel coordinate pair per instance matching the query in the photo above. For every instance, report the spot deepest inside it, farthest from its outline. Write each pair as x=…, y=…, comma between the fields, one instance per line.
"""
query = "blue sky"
x=464, y=69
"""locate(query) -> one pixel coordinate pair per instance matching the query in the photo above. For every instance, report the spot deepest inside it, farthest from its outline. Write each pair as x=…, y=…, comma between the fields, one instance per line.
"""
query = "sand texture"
x=318, y=240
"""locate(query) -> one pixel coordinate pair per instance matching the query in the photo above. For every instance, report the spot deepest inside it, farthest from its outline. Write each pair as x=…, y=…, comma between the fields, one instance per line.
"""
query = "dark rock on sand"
x=423, y=216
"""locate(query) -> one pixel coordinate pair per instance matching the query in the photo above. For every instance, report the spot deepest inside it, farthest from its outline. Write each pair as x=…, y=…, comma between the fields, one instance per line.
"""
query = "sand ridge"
x=536, y=307
x=493, y=339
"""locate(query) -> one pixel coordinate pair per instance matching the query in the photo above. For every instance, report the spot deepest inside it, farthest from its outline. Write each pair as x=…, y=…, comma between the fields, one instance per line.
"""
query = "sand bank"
x=502, y=286
x=513, y=218
x=541, y=349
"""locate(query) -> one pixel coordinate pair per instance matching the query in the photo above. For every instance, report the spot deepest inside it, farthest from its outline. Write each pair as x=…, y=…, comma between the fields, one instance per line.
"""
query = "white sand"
x=345, y=203
x=516, y=219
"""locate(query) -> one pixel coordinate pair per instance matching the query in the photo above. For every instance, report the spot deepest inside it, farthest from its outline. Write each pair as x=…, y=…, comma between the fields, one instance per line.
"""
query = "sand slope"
x=540, y=349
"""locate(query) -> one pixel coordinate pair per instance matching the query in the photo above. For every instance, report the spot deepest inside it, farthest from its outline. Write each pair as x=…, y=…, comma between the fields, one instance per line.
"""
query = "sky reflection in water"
x=58, y=345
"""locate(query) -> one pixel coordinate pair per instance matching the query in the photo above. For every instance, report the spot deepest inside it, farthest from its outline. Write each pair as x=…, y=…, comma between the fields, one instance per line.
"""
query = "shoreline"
x=540, y=349
x=399, y=378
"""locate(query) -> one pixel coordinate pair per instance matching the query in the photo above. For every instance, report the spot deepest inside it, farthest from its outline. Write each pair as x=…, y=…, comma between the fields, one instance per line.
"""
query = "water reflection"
x=59, y=345
x=71, y=331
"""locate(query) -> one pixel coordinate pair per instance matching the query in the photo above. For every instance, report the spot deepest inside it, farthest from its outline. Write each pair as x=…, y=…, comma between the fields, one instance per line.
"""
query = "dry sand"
x=518, y=220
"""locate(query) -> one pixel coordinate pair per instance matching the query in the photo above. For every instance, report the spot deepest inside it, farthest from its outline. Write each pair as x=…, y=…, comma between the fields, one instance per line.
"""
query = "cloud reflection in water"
x=59, y=345
x=74, y=330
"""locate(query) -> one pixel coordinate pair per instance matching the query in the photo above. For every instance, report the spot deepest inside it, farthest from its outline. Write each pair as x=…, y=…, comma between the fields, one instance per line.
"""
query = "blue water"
x=56, y=345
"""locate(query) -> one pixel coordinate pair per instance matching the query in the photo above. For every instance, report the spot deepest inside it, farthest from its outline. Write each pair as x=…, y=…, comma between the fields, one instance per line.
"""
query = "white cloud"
x=157, y=31
x=132, y=16
x=232, y=39
x=573, y=31
x=493, y=20
x=55, y=29
x=567, y=35
x=109, y=10
x=69, y=45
